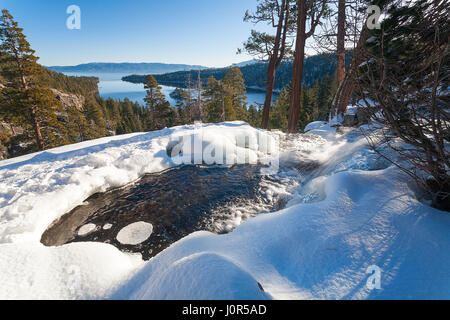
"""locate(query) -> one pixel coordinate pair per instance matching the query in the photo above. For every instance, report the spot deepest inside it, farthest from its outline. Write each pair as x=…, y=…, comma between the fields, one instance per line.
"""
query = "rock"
x=9, y=129
x=350, y=120
x=360, y=117
x=70, y=100
x=363, y=116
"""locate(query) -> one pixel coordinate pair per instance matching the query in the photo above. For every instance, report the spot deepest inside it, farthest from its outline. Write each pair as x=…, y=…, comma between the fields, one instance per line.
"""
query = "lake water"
x=112, y=86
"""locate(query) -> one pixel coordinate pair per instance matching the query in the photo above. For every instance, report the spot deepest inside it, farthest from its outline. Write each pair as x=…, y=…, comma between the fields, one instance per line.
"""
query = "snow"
x=350, y=214
x=319, y=250
x=203, y=275
x=87, y=229
x=107, y=226
x=73, y=271
x=314, y=125
x=351, y=110
x=135, y=233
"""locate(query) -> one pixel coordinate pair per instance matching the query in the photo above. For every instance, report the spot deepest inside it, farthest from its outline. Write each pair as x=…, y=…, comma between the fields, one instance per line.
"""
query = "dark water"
x=176, y=202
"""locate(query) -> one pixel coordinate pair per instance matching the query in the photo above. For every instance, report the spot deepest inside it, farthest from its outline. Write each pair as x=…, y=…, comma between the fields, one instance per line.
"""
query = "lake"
x=112, y=86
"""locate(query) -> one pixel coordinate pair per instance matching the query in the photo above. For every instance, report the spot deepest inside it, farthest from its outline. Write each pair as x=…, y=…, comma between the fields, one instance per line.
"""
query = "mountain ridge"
x=126, y=67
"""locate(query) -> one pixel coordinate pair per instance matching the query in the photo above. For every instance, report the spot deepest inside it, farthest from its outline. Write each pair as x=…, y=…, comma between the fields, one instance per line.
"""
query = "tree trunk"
x=297, y=72
x=13, y=131
x=37, y=130
x=223, y=111
x=23, y=81
x=269, y=94
x=341, y=42
x=347, y=87
x=199, y=97
x=275, y=60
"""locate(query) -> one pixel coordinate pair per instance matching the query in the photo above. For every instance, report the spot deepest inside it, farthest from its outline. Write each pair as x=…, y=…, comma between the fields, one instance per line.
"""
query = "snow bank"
x=320, y=250
x=203, y=276
x=73, y=271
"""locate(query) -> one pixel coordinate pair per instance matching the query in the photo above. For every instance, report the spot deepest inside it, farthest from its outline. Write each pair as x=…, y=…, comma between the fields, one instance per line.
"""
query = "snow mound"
x=135, y=233
x=73, y=271
x=219, y=278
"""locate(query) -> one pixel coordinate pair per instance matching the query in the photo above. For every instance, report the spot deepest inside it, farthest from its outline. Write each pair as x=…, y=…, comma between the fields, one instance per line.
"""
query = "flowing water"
x=174, y=203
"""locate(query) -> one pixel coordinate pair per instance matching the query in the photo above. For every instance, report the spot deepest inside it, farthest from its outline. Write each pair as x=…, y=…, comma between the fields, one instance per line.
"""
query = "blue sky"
x=205, y=32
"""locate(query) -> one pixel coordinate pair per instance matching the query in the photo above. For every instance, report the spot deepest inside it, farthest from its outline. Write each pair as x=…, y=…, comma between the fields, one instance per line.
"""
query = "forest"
x=255, y=75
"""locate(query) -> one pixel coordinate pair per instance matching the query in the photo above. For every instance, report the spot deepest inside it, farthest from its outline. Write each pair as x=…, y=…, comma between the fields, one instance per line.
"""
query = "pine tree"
x=95, y=118
x=404, y=85
x=234, y=90
x=26, y=99
x=159, y=108
x=254, y=116
x=77, y=125
x=215, y=103
x=306, y=107
x=279, y=115
x=324, y=96
x=277, y=13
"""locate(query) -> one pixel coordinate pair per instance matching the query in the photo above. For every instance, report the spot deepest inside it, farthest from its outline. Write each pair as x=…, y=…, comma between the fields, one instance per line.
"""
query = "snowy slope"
x=355, y=213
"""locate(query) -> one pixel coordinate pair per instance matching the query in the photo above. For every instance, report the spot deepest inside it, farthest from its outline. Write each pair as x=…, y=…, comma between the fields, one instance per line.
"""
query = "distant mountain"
x=147, y=68
x=247, y=63
x=255, y=75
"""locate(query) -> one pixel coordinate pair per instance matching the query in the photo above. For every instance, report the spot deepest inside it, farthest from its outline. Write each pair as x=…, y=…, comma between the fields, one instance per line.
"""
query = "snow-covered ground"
x=354, y=216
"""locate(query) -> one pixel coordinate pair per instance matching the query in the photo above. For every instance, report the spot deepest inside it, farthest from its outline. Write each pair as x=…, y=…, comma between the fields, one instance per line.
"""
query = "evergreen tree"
x=215, y=103
x=27, y=101
x=324, y=96
x=159, y=108
x=234, y=91
x=96, y=119
x=77, y=125
x=404, y=85
x=307, y=108
x=278, y=13
x=254, y=116
x=279, y=115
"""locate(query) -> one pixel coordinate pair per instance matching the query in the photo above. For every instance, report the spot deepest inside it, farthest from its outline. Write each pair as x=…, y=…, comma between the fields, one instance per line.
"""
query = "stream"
x=159, y=209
